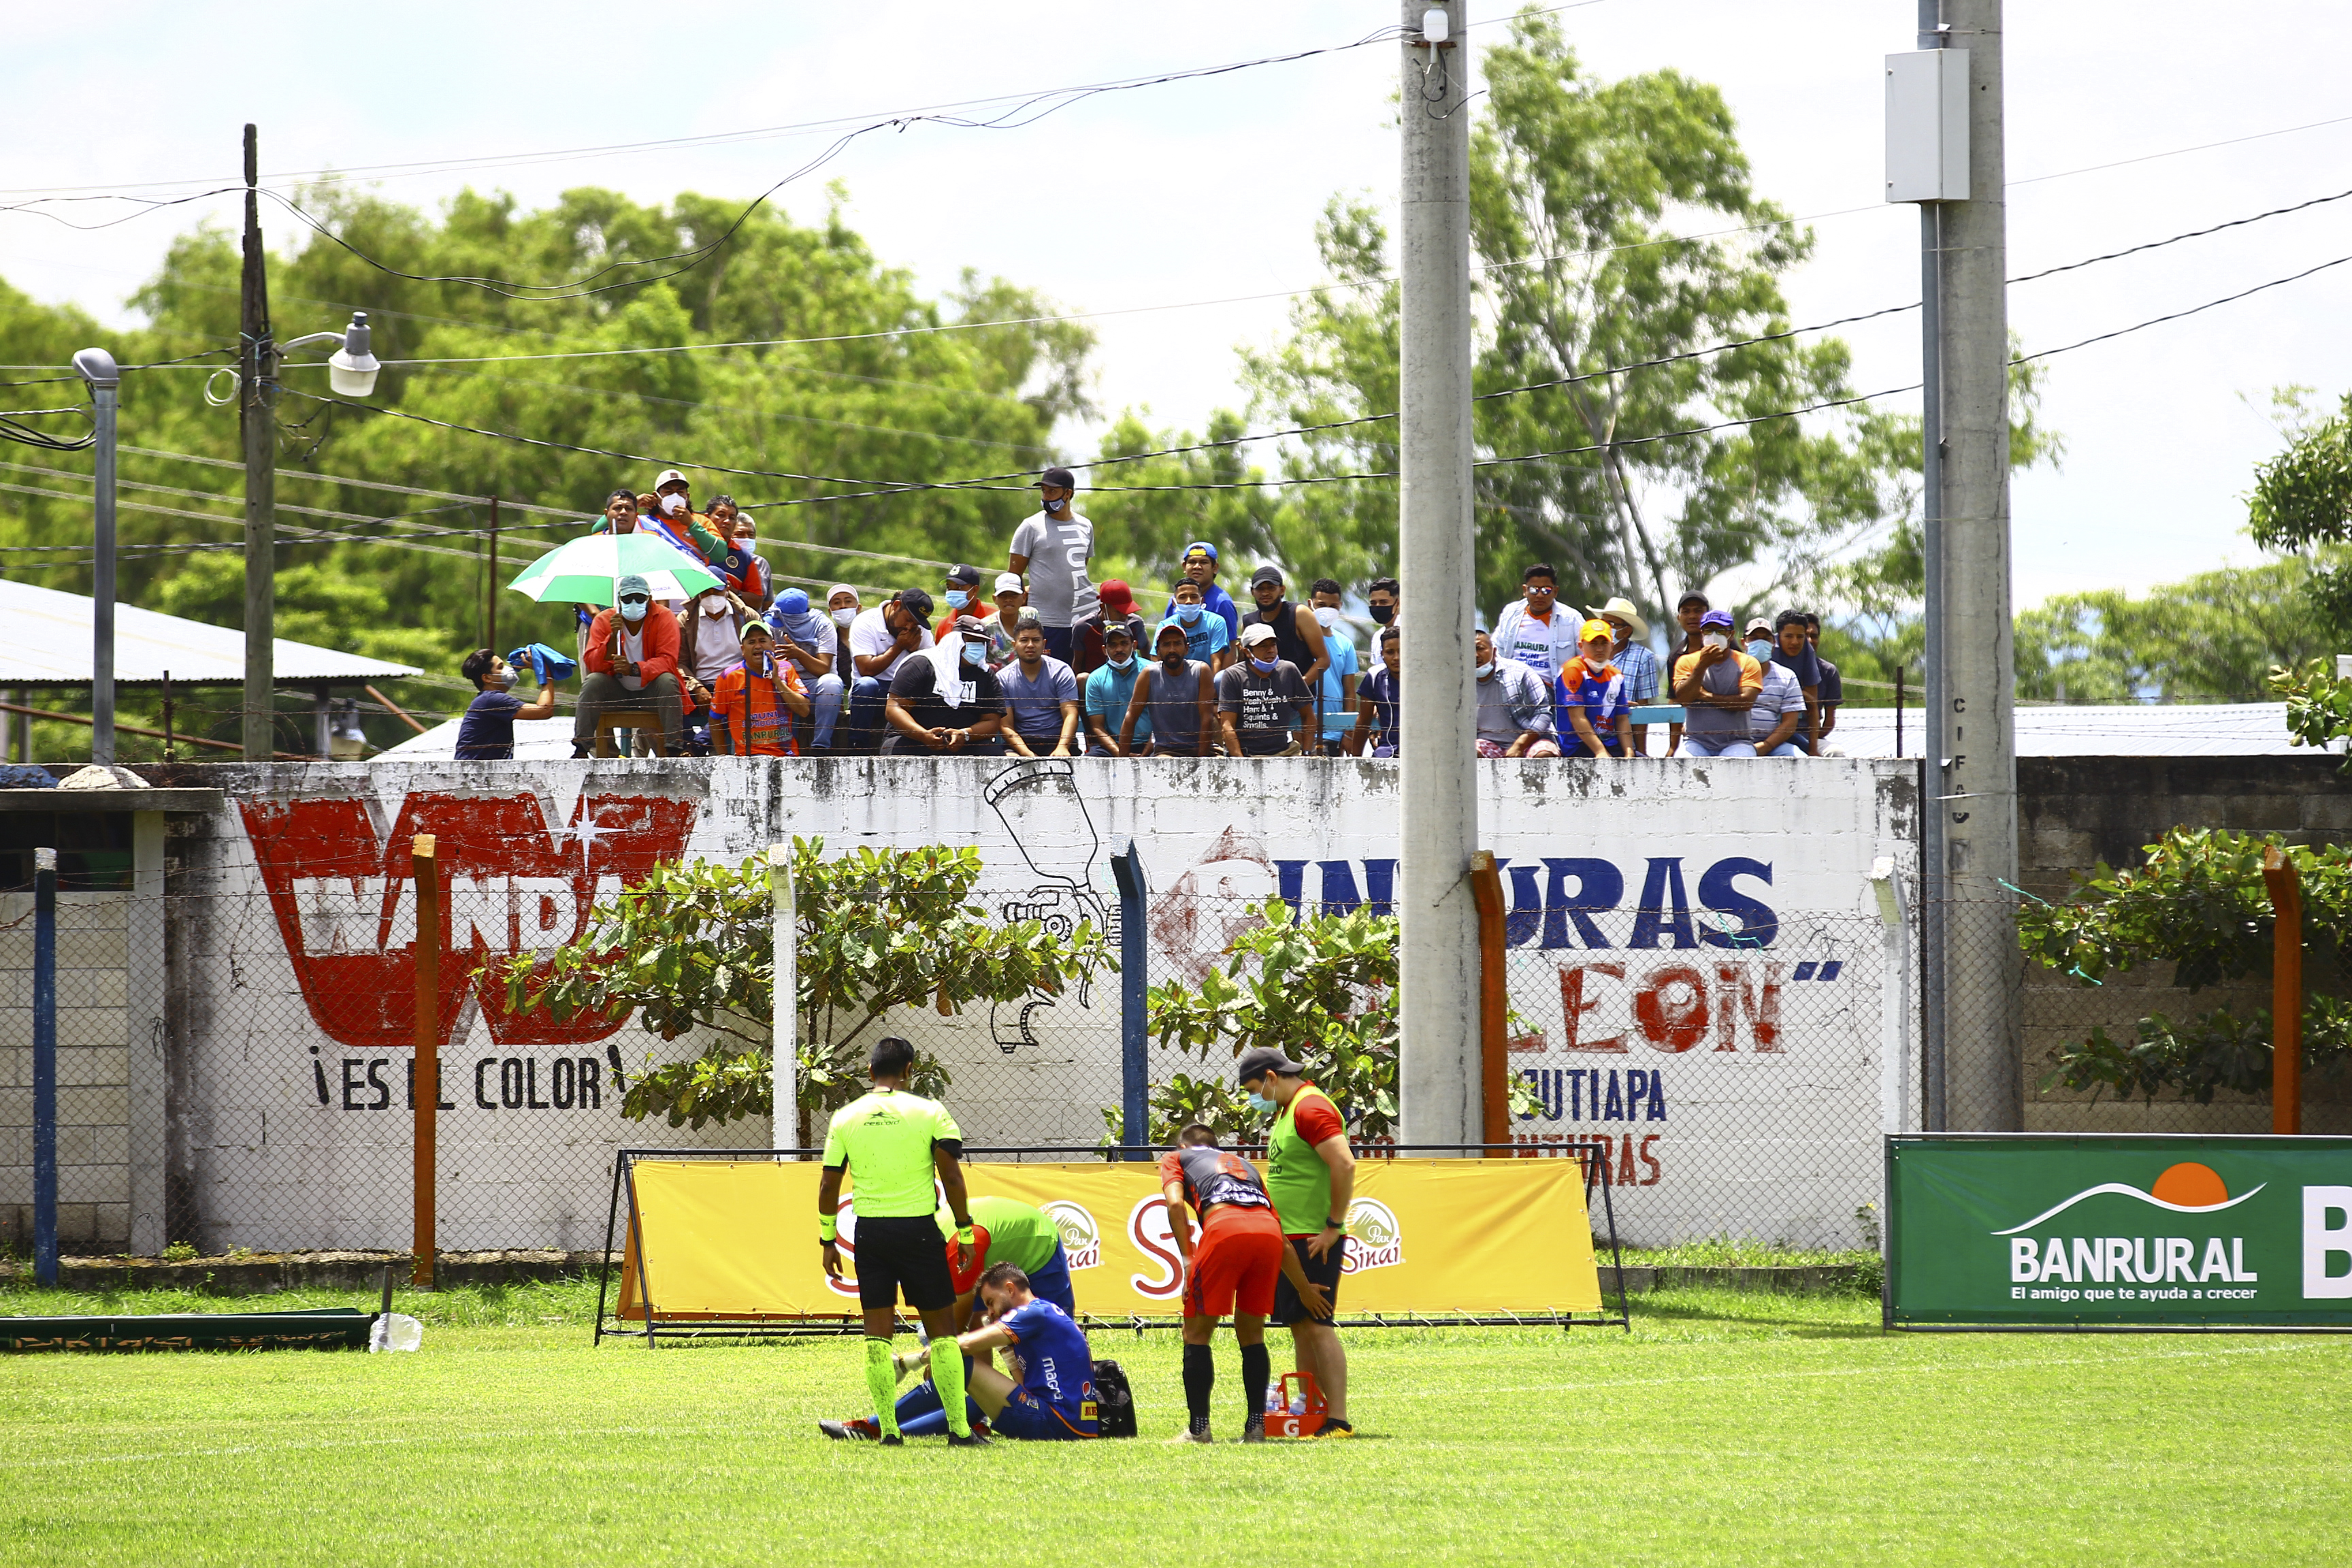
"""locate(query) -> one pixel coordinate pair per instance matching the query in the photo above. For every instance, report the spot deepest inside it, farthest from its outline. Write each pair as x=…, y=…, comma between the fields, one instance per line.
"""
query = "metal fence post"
x=423, y=1244
x=2286, y=992
x=1126, y=869
x=45, y=1067
x=1494, y=1002
x=783, y=1012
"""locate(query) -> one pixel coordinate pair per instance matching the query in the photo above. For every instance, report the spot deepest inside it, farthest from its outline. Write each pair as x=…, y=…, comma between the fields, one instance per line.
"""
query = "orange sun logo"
x=2190, y=1186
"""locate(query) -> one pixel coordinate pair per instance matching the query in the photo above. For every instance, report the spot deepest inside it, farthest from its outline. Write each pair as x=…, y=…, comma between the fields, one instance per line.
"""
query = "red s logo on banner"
x=348, y=914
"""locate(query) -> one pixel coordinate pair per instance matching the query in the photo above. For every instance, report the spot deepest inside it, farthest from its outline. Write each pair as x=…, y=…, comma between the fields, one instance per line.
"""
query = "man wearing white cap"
x=1633, y=659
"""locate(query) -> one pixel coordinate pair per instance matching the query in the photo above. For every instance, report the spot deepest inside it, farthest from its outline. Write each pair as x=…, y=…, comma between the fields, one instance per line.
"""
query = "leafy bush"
x=2199, y=904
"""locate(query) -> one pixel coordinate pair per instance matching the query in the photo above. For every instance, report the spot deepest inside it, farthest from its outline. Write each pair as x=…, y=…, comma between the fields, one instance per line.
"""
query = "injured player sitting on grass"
x=1050, y=1397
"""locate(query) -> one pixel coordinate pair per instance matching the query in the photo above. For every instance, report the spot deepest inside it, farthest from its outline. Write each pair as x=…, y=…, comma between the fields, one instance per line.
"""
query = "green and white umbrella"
x=583, y=572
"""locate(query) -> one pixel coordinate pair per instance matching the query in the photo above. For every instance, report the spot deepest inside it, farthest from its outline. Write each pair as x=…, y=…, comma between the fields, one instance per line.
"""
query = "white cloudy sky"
x=1209, y=190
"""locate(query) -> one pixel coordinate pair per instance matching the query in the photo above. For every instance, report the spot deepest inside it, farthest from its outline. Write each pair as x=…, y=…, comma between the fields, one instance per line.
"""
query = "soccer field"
x=1725, y=1427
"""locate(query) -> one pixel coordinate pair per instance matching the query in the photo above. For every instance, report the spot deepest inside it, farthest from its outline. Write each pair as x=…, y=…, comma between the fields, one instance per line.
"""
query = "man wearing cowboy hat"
x=1633, y=659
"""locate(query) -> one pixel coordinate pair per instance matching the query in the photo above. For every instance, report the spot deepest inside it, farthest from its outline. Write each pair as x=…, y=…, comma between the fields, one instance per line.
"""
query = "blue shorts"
x=1029, y=1418
x=1050, y=1283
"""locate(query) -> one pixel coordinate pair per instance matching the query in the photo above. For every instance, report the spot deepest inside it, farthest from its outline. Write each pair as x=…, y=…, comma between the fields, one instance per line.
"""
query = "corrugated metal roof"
x=2171, y=729
x=47, y=643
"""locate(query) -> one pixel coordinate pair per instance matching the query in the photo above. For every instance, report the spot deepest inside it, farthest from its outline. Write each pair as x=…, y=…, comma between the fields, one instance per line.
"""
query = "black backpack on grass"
x=1114, y=1401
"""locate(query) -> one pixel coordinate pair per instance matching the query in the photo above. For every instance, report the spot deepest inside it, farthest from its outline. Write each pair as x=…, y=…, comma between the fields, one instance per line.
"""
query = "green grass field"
x=1725, y=1428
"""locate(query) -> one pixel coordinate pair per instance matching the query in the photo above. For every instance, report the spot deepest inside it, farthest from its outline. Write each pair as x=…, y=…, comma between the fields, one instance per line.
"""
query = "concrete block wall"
x=2076, y=812
x=93, y=1069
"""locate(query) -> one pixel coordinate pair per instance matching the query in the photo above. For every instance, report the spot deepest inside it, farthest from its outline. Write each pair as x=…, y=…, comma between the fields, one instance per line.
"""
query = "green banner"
x=2076, y=1230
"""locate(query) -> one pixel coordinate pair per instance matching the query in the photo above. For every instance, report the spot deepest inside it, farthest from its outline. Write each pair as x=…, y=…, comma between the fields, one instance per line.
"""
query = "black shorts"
x=895, y=1255
x=1324, y=1271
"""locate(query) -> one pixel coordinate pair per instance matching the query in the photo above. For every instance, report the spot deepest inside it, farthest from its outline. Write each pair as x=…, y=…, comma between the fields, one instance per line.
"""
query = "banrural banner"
x=2082, y=1230
x=736, y=1239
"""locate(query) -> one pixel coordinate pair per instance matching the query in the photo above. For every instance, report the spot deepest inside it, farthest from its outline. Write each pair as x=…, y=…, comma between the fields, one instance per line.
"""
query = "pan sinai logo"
x=1375, y=1239
x=1081, y=1239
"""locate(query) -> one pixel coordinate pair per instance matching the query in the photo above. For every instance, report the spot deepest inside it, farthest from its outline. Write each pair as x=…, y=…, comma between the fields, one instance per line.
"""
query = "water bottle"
x=1274, y=1399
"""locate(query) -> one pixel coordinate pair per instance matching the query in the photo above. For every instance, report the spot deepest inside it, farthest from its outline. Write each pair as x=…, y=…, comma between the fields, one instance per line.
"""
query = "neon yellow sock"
x=946, y=1377
x=882, y=1382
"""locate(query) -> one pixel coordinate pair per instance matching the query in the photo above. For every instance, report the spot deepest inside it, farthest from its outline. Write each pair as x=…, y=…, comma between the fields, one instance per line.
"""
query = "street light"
x=98, y=373
x=350, y=369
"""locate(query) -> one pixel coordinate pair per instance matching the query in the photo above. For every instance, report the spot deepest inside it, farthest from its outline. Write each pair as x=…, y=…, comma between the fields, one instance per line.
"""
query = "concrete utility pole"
x=96, y=369
x=256, y=363
x=1976, y=719
x=1438, y=995
x=1945, y=150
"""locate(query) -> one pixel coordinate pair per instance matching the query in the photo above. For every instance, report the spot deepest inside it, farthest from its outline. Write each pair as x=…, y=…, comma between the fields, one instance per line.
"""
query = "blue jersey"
x=1056, y=1368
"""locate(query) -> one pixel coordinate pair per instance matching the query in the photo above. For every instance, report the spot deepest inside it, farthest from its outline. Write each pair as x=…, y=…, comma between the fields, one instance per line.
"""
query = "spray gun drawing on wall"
x=1038, y=803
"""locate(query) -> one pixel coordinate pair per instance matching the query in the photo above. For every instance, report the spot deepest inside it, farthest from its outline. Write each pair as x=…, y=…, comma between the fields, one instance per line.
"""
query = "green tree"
x=2302, y=501
x=866, y=396
x=692, y=947
x=1573, y=183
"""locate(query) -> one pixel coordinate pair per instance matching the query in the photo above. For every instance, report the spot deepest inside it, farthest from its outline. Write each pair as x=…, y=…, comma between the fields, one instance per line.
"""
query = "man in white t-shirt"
x=1537, y=631
x=879, y=641
x=1054, y=548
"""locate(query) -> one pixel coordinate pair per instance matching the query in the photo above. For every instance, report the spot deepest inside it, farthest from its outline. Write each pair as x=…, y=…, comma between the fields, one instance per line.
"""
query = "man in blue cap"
x=808, y=642
x=1201, y=566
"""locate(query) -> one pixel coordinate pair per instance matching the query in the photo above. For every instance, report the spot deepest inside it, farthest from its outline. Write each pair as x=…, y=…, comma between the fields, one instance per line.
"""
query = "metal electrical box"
x=1927, y=126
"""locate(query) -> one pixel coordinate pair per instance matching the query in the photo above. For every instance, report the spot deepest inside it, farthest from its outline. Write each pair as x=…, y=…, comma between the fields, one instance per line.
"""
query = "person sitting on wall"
x=1110, y=690
x=485, y=734
x=1375, y=733
x=1719, y=686
x=1514, y=710
x=1781, y=705
x=1172, y=712
x=750, y=702
x=946, y=701
x=631, y=663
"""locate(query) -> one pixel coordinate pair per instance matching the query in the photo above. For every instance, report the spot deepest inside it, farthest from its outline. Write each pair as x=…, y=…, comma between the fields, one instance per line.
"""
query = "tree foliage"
x=692, y=948
x=865, y=396
x=2199, y=904
x=1581, y=189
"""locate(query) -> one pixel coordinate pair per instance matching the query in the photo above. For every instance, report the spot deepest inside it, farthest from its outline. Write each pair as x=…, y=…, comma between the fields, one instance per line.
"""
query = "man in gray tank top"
x=1176, y=692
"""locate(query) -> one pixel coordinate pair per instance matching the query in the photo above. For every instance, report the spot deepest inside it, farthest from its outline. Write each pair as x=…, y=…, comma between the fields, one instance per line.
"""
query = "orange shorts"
x=1236, y=1264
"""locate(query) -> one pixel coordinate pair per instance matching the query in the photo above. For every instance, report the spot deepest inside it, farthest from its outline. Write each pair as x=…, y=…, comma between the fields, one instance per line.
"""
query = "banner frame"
x=1589, y=1156
x=1889, y=1324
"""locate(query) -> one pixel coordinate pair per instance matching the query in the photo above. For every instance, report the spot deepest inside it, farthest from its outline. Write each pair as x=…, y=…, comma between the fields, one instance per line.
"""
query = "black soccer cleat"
x=892, y=1440
x=1255, y=1432
x=969, y=1440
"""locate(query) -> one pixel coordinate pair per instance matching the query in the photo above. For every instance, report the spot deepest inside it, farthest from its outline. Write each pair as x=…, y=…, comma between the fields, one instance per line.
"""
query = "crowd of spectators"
x=1048, y=663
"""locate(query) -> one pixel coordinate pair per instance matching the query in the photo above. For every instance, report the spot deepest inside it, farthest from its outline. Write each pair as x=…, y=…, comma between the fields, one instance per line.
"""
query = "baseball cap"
x=1759, y=625
x=1717, y=618
x=1116, y=596
x=1008, y=583
x=917, y=602
x=964, y=576
x=1266, y=574
x=669, y=476
x=1200, y=547
x=632, y=583
x=1596, y=627
x=1263, y=1059
x=793, y=601
x=1059, y=477
x=970, y=626
x=1028, y=617
x=1256, y=633
x=837, y=590
x=1692, y=597
x=753, y=624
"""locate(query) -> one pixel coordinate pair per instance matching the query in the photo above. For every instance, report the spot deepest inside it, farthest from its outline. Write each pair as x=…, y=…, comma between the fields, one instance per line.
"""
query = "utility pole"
x=96, y=369
x=1438, y=1071
x=1945, y=151
x=256, y=359
x=1976, y=717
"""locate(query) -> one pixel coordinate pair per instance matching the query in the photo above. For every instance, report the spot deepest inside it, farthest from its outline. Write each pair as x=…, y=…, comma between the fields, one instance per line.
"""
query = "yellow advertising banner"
x=735, y=1239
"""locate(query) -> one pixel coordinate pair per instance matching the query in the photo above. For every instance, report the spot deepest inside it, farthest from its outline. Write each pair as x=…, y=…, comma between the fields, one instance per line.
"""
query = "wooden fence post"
x=1493, y=1002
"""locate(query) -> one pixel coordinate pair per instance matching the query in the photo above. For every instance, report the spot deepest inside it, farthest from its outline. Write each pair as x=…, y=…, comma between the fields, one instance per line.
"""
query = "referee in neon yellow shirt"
x=894, y=1143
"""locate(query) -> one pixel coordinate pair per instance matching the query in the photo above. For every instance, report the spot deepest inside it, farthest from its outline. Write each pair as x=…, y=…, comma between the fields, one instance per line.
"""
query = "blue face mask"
x=1263, y=666
x=1127, y=663
x=973, y=653
x=1188, y=614
x=958, y=598
x=1261, y=1105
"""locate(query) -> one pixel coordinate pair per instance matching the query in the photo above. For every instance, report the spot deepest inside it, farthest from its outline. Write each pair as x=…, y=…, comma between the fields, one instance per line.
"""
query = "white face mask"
x=715, y=607
x=673, y=504
x=1486, y=671
x=1328, y=617
x=499, y=679
x=844, y=616
x=1716, y=639
x=633, y=613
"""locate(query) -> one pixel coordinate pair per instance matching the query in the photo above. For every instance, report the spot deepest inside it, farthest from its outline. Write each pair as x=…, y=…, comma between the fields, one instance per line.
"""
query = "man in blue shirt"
x=1200, y=566
x=1040, y=696
x=487, y=732
x=1206, y=638
x=1053, y=1399
x=1376, y=702
x=1108, y=691
x=1337, y=695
